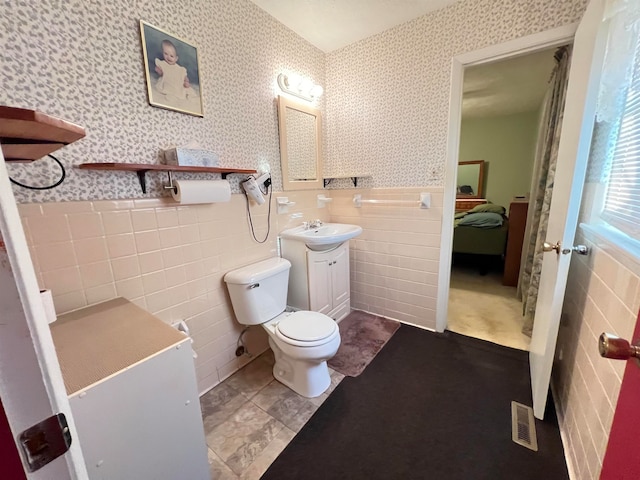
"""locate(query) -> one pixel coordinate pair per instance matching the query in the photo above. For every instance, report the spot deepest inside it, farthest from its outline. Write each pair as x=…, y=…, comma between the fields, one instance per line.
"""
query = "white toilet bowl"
x=301, y=351
x=301, y=341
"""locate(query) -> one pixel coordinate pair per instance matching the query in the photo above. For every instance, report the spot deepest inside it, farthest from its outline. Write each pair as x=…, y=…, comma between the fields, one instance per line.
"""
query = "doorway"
x=502, y=109
x=512, y=49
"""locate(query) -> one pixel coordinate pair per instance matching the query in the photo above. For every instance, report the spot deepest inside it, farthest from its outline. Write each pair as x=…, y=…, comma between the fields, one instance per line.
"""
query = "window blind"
x=622, y=198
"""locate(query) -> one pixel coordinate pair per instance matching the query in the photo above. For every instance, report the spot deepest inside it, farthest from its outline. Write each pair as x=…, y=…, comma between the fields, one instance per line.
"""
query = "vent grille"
x=523, y=426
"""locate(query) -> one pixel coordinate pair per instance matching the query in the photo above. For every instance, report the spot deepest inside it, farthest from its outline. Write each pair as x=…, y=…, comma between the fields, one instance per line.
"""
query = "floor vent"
x=523, y=426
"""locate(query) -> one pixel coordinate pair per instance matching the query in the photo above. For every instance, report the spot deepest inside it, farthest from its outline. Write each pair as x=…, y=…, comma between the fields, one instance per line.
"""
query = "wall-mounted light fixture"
x=303, y=88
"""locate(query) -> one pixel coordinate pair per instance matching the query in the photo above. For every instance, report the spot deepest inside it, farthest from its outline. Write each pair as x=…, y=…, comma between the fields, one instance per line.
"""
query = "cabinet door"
x=319, y=281
x=340, y=275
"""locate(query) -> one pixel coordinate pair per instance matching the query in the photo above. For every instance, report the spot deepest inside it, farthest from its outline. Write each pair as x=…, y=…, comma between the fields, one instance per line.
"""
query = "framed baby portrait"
x=172, y=71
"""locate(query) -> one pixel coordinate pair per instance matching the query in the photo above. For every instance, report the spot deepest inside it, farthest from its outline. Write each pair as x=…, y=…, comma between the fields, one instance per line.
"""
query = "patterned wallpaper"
x=82, y=61
x=387, y=97
x=386, y=100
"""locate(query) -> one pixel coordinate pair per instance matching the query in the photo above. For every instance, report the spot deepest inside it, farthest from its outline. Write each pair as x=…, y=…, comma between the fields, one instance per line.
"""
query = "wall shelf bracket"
x=142, y=178
x=354, y=178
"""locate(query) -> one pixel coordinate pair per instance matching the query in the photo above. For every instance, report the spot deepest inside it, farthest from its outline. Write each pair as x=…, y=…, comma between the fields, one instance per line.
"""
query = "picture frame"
x=172, y=71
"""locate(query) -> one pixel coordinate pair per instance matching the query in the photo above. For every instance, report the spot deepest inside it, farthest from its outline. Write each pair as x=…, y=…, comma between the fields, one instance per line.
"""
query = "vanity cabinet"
x=318, y=280
x=329, y=281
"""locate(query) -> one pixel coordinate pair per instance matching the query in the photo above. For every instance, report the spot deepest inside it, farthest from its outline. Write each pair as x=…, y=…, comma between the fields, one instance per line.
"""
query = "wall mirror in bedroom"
x=300, y=145
x=470, y=179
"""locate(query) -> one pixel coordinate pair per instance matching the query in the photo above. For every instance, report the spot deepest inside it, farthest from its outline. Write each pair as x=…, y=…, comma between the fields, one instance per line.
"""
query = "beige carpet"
x=481, y=307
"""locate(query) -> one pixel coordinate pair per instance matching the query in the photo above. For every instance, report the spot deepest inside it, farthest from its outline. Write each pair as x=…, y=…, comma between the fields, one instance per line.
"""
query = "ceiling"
x=499, y=88
x=508, y=86
x=333, y=24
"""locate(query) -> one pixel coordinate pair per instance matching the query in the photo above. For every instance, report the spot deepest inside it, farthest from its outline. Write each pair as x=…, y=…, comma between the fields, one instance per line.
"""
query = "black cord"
x=253, y=233
x=62, y=176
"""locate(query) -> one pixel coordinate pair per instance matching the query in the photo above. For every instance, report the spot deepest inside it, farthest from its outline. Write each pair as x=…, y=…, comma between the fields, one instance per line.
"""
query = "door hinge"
x=45, y=441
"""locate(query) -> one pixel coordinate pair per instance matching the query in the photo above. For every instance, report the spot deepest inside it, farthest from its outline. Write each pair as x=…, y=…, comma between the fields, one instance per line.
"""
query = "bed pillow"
x=482, y=220
x=488, y=207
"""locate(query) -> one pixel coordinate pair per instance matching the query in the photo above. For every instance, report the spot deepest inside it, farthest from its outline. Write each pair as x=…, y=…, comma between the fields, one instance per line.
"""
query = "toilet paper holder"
x=171, y=186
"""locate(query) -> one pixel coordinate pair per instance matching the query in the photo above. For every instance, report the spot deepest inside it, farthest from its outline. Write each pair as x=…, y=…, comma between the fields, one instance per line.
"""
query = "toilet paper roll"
x=47, y=303
x=201, y=191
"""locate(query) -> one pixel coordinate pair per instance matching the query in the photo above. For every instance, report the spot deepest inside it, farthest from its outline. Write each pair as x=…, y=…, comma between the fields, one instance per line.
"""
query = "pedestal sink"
x=325, y=237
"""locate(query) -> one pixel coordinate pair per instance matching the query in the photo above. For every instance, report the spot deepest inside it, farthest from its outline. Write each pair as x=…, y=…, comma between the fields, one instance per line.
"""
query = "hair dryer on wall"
x=252, y=186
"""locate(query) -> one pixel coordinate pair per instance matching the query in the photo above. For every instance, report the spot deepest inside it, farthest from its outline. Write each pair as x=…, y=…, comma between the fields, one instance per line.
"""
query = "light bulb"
x=316, y=91
x=293, y=81
x=305, y=86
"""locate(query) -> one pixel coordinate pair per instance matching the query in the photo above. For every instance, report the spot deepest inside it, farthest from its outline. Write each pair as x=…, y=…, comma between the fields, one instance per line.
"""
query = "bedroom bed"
x=482, y=232
x=480, y=241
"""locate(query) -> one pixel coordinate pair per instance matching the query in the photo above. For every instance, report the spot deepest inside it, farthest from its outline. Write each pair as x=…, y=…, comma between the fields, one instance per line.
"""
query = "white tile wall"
x=170, y=259
x=394, y=263
x=165, y=257
x=603, y=295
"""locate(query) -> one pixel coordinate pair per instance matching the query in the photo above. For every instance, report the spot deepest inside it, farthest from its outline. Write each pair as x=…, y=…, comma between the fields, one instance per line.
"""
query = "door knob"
x=548, y=247
x=611, y=346
x=579, y=249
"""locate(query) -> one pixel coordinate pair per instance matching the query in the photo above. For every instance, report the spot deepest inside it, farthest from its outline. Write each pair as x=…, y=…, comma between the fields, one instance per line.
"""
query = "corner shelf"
x=354, y=178
x=142, y=168
x=27, y=135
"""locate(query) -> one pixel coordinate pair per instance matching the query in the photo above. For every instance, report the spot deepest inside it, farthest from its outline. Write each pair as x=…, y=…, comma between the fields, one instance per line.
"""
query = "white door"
x=573, y=151
x=31, y=385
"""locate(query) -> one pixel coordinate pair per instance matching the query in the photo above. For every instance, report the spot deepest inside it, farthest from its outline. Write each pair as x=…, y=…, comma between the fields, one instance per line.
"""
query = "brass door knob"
x=611, y=346
x=548, y=247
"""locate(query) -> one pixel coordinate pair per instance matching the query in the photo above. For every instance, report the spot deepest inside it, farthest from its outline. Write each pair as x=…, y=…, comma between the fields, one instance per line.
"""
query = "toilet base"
x=309, y=379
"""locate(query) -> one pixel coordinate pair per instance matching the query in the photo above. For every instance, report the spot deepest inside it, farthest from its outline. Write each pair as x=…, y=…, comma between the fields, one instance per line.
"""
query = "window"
x=613, y=183
x=622, y=198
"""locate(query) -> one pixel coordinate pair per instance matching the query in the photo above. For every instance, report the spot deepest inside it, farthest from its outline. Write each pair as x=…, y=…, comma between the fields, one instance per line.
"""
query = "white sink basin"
x=325, y=237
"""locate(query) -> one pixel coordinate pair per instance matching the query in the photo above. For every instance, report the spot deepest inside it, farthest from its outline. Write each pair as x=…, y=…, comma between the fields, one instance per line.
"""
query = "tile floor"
x=250, y=418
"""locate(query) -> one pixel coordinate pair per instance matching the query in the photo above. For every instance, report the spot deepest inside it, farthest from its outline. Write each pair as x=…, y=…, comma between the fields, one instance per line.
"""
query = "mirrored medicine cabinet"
x=300, y=145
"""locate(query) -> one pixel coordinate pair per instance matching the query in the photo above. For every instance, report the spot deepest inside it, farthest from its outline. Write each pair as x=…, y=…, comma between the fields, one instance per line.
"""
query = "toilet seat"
x=306, y=329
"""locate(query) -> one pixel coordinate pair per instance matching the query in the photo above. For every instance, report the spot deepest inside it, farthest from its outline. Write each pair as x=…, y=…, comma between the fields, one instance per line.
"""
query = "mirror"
x=300, y=145
x=470, y=179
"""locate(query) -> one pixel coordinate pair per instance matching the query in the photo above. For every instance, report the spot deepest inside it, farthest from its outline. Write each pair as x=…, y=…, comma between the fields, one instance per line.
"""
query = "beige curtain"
x=542, y=187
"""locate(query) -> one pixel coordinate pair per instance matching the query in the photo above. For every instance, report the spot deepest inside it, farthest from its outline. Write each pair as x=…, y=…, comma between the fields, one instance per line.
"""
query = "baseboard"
x=422, y=327
x=563, y=436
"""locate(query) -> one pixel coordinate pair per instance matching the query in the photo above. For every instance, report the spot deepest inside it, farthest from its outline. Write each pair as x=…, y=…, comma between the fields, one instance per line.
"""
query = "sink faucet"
x=315, y=223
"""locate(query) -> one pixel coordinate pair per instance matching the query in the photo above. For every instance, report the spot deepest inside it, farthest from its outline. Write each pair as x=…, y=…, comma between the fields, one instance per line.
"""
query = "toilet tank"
x=259, y=291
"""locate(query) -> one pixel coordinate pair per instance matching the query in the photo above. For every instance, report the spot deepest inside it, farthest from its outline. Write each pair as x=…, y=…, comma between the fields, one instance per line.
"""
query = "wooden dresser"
x=517, y=222
x=464, y=204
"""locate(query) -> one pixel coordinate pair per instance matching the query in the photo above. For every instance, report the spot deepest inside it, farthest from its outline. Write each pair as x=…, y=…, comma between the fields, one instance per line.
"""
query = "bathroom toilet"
x=301, y=341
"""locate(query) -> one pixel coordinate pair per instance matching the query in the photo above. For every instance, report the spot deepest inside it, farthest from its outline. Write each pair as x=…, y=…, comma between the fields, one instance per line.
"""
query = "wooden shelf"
x=142, y=168
x=28, y=135
x=354, y=178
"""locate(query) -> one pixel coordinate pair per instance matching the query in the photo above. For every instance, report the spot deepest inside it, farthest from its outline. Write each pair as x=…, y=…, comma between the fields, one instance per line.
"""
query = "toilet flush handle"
x=254, y=285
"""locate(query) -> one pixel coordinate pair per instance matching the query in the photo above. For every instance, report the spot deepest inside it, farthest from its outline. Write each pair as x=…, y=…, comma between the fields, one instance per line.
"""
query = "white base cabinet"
x=132, y=389
x=319, y=280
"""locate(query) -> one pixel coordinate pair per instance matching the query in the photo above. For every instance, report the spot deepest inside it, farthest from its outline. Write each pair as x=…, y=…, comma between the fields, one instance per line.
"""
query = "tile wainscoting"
x=170, y=259
x=167, y=258
x=603, y=295
x=394, y=263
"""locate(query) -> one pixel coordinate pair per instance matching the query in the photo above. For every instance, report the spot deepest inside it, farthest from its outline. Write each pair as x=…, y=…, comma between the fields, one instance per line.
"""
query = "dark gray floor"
x=429, y=406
